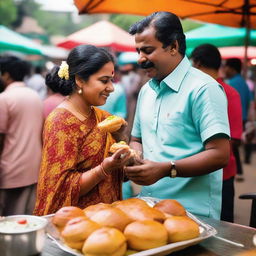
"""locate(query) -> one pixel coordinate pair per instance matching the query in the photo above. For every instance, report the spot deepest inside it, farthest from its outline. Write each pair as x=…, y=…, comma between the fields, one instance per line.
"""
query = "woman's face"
x=99, y=86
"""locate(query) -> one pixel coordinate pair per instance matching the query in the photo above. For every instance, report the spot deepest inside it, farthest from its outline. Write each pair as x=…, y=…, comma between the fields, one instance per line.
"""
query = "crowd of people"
x=181, y=114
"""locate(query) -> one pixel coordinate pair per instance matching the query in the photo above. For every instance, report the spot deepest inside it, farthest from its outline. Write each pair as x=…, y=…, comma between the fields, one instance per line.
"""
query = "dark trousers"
x=228, y=193
x=238, y=160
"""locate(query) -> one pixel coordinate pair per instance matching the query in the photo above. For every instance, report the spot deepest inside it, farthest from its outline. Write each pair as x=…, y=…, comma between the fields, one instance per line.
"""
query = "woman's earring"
x=80, y=91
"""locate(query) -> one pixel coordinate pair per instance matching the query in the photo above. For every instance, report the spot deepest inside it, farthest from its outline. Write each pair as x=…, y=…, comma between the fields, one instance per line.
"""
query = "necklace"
x=80, y=112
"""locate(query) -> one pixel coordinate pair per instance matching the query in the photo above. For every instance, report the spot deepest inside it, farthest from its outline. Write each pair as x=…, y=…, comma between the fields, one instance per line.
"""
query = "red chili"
x=22, y=221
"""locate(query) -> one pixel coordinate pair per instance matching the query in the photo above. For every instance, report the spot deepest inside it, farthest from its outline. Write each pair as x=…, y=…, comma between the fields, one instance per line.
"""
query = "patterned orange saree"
x=70, y=148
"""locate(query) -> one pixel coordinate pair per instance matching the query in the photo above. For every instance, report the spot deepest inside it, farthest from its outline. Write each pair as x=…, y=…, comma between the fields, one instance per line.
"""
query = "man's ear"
x=174, y=48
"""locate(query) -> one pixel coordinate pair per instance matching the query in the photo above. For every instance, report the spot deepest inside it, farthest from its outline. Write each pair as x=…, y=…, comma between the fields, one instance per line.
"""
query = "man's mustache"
x=146, y=64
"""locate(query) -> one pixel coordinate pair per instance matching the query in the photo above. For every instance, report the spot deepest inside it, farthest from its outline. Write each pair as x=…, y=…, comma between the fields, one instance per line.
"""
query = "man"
x=21, y=121
x=37, y=83
x=232, y=70
x=181, y=122
x=207, y=58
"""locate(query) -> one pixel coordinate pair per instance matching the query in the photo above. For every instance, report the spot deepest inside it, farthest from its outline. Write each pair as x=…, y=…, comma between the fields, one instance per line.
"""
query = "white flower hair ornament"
x=63, y=71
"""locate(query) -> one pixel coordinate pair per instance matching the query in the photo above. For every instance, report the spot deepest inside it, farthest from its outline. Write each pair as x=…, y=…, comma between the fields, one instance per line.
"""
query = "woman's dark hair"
x=83, y=61
x=15, y=67
x=168, y=29
x=207, y=55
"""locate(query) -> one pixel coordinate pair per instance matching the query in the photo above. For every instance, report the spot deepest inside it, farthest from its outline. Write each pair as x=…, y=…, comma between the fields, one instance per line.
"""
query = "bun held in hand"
x=63, y=215
x=105, y=241
x=77, y=230
x=118, y=145
x=181, y=228
x=144, y=235
x=111, y=124
x=171, y=207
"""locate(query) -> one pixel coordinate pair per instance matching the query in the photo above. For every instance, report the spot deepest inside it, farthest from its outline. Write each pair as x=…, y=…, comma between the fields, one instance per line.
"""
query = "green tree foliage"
x=8, y=12
x=124, y=21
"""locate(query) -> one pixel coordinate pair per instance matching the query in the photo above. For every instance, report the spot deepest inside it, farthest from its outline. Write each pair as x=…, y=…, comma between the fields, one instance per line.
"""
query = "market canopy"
x=101, y=34
x=237, y=52
x=235, y=13
x=220, y=36
x=12, y=41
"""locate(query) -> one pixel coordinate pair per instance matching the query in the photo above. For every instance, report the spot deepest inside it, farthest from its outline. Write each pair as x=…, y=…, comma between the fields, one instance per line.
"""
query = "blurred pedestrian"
x=21, y=121
x=37, y=82
x=207, y=58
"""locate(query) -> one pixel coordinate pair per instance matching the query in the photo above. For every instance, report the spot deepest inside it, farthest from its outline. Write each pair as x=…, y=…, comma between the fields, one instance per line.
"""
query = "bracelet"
x=103, y=170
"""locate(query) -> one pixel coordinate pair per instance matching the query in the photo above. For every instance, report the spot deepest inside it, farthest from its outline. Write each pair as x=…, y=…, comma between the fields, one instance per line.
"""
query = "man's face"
x=156, y=60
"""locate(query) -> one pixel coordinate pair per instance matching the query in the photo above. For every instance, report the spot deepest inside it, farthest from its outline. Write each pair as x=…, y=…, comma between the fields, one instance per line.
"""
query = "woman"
x=76, y=169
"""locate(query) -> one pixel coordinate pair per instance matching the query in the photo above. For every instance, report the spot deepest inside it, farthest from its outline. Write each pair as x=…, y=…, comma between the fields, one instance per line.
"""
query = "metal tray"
x=206, y=231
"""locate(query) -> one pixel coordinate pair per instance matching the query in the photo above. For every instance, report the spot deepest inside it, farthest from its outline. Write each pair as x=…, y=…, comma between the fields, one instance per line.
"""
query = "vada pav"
x=111, y=124
x=171, y=207
x=105, y=241
x=144, y=235
x=77, y=231
x=181, y=228
x=111, y=217
x=64, y=214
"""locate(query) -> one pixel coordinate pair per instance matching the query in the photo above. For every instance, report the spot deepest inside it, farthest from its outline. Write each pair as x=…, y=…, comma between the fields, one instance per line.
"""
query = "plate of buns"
x=135, y=226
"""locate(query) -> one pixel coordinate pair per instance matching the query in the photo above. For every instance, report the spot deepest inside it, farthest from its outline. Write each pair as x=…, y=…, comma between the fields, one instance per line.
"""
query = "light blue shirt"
x=174, y=119
x=116, y=102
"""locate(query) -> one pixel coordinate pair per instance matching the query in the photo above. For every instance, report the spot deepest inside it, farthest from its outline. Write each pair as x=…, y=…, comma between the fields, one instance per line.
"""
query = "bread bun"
x=137, y=209
x=105, y=241
x=111, y=124
x=144, y=235
x=247, y=253
x=181, y=228
x=63, y=215
x=119, y=145
x=111, y=217
x=77, y=230
x=89, y=211
x=171, y=207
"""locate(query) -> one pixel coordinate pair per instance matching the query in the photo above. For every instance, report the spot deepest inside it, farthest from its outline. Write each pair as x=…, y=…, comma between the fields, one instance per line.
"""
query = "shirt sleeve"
x=210, y=111
x=4, y=116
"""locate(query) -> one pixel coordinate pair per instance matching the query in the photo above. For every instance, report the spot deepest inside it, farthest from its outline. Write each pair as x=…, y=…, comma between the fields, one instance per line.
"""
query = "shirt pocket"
x=172, y=130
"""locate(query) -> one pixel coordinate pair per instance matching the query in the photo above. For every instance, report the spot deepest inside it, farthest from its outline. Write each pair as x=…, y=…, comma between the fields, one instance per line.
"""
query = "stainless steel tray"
x=206, y=231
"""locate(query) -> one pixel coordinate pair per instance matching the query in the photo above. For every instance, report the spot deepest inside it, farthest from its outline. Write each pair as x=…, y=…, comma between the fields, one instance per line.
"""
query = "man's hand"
x=147, y=173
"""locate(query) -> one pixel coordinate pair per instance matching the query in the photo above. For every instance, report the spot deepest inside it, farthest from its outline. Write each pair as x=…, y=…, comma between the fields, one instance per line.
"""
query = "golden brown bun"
x=171, y=206
x=89, y=211
x=144, y=235
x=247, y=253
x=105, y=241
x=63, y=215
x=111, y=123
x=119, y=145
x=181, y=228
x=137, y=209
x=77, y=230
x=111, y=217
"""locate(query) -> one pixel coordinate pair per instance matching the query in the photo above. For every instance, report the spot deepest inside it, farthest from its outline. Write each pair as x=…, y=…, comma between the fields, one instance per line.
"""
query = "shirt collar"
x=14, y=84
x=174, y=79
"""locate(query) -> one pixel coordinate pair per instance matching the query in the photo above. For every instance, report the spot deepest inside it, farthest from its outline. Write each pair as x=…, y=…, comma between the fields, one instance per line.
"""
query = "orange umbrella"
x=235, y=13
x=102, y=34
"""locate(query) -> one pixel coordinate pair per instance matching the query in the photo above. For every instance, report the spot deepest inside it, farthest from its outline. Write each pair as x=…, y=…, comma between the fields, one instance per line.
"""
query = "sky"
x=58, y=5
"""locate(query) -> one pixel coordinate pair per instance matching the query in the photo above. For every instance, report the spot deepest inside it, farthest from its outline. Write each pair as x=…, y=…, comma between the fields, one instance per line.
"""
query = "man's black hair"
x=207, y=55
x=168, y=29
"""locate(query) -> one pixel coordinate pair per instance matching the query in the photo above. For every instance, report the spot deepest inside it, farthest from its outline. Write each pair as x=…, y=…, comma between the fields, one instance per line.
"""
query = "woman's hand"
x=117, y=161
